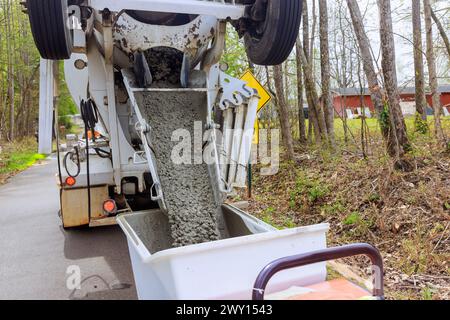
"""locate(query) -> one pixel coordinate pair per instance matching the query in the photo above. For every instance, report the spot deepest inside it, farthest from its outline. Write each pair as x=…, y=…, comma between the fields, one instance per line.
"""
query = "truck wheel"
x=270, y=41
x=51, y=32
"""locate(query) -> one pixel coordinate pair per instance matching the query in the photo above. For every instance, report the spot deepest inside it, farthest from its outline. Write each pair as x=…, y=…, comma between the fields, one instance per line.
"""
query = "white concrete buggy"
x=146, y=74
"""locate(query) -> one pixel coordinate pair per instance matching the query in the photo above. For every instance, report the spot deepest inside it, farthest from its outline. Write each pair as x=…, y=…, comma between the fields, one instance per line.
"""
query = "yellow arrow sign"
x=252, y=82
x=255, y=84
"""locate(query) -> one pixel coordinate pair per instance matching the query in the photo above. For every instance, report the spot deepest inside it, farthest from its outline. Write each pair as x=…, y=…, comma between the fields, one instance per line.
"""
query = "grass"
x=18, y=156
x=19, y=161
x=354, y=127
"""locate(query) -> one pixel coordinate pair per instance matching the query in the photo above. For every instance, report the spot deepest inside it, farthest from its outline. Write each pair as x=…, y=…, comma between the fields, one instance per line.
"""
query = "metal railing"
x=321, y=256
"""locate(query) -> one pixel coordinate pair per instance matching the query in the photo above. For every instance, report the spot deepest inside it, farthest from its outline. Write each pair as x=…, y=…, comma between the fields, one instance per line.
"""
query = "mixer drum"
x=161, y=18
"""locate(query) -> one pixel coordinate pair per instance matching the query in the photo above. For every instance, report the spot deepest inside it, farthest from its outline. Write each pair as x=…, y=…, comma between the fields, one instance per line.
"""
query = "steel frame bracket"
x=224, y=9
x=144, y=130
x=234, y=91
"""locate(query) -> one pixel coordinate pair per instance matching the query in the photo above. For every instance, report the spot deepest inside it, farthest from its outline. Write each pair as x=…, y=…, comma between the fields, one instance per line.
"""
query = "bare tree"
x=325, y=71
x=305, y=21
x=283, y=111
x=441, y=31
x=399, y=145
x=312, y=123
x=431, y=61
x=342, y=59
x=301, y=114
x=313, y=32
x=376, y=93
x=315, y=110
x=306, y=52
x=419, y=74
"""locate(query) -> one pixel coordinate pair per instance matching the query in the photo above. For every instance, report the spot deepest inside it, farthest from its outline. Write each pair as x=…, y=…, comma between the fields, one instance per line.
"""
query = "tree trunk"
x=1, y=102
x=325, y=71
x=340, y=54
x=368, y=63
x=320, y=127
x=301, y=114
x=305, y=20
x=419, y=74
x=9, y=21
x=400, y=144
x=2, y=85
x=431, y=60
x=283, y=111
x=268, y=111
x=441, y=31
x=313, y=34
x=313, y=124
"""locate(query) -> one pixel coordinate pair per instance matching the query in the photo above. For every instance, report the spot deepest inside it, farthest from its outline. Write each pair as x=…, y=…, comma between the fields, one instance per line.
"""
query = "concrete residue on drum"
x=187, y=188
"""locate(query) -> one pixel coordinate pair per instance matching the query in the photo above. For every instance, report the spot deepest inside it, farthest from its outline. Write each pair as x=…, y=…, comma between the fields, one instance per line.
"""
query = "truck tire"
x=271, y=41
x=51, y=33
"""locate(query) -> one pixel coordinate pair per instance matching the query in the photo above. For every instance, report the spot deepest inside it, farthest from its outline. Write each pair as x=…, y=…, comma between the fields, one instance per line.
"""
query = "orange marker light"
x=70, y=181
x=109, y=206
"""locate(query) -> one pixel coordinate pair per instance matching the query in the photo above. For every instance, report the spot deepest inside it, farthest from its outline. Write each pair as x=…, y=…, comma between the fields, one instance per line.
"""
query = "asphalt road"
x=38, y=258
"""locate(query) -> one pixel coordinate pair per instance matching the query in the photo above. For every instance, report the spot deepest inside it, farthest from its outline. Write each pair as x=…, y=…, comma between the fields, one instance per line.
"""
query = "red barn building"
x=353, y=98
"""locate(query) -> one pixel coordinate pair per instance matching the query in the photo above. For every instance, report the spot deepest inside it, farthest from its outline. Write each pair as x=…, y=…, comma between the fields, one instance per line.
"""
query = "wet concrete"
x=187, y=188
x=35, y=252
x=153, y=229
x=165, y=65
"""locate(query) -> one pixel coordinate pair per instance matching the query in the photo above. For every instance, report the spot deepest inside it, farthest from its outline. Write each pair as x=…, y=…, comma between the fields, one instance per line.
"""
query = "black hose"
x=78, y=163
x=89, y=114
x=103, y=153
x=90, y=118
x=58, y=152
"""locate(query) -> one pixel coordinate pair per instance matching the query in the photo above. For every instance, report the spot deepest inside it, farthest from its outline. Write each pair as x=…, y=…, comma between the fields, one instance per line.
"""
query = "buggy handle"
x=321, y=256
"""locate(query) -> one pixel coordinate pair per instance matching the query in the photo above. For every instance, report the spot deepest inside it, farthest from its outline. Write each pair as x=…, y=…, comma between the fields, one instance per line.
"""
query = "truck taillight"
x=71, y=181
x=110, y=207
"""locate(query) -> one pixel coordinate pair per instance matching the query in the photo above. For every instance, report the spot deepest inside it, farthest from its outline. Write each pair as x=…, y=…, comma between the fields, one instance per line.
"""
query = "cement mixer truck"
x=140, y=71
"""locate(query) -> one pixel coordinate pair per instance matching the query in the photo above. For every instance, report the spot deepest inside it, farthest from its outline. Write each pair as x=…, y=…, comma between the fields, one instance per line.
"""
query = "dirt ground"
x=406, y=215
